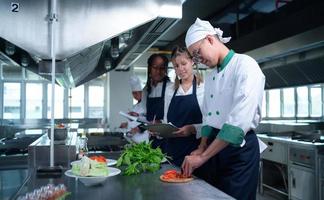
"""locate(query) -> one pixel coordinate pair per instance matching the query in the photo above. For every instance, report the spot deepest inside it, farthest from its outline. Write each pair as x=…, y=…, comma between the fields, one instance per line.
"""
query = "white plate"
x=110, y=162
x=93, y=180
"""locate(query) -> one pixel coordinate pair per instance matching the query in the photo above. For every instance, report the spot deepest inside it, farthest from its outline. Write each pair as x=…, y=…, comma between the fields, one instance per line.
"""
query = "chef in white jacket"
x=137, y=110
x=231, y=111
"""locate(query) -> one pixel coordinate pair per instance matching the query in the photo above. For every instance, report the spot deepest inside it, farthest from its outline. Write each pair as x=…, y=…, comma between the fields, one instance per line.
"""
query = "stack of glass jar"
x=83, y=146
x=47, y=192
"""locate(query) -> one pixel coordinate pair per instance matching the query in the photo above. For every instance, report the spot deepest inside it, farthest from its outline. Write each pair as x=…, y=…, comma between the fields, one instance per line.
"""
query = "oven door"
x=301, y=182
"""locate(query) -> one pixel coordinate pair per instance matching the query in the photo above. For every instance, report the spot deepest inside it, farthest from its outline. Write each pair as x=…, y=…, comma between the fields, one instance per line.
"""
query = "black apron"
x=155, y=107
x=234, y=170
x=183, y=110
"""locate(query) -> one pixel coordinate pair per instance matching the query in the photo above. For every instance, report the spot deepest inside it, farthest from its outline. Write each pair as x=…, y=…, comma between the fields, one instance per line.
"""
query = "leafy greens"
x=140, y=158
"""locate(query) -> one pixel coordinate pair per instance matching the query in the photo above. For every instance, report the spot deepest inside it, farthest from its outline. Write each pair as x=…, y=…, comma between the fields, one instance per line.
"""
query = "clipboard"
x=162, y=130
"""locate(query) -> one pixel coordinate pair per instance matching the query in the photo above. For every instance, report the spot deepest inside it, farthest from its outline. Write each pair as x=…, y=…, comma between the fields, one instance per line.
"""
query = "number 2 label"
x=14, y=7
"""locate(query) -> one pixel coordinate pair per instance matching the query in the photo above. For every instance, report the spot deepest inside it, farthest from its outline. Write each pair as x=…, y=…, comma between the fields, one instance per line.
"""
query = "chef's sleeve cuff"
x=206, y=131
x=232, y=134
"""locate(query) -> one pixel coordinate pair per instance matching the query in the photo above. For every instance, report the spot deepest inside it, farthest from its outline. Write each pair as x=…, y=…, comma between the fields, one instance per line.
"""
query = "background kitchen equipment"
x=59, y=133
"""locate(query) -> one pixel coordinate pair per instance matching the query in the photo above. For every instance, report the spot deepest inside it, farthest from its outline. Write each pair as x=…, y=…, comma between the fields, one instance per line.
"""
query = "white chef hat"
x=200, y=29
x=135, y=83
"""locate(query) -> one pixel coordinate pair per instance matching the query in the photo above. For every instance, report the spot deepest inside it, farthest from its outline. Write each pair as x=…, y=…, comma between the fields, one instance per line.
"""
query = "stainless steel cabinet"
x=321, y=177
x=301, y=183
x=276, y=151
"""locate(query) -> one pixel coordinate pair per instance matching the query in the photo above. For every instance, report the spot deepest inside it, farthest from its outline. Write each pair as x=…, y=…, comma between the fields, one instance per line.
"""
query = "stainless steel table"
x=145, y=186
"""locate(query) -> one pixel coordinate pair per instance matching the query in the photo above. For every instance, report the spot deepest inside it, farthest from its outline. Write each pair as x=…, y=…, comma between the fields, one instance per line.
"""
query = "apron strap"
x=194, y=87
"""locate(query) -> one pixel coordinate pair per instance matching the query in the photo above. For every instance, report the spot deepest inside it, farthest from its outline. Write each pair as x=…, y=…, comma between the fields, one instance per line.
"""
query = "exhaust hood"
x=294, y=61
x=92, y=36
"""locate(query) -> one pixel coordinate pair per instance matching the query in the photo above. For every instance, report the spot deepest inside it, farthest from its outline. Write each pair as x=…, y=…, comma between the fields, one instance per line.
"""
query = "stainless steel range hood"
x=294, y=61
x=84, y=30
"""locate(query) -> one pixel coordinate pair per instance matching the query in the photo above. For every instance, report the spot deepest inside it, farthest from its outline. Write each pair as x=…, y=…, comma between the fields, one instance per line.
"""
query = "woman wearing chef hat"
x=154, y=93
x=137, y=111
x=231, y=111
x=183, y=103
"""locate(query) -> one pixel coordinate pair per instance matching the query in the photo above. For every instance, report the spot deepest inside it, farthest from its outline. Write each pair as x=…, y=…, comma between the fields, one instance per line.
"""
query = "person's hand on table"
x=191, y=163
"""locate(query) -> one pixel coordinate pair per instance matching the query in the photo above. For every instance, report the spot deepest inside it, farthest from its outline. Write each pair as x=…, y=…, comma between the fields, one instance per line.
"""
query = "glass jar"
x=83, y=146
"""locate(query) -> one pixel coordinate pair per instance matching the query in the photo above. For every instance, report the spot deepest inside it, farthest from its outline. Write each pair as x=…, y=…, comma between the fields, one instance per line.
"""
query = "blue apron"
x=155, y=107
x=183, y=110
x=235, y=170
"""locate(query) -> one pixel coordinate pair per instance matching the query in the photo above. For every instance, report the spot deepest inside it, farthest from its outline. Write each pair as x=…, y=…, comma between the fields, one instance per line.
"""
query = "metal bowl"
x=59, y=133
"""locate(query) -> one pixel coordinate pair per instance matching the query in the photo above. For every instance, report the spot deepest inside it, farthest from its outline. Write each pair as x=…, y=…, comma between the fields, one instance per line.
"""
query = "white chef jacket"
x=168, y=97
x=234, y=95
x=156, y=91
x=137, y=137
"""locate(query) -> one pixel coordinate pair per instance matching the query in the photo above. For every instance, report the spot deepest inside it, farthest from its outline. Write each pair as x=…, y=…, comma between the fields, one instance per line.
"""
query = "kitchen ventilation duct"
x=84, y=30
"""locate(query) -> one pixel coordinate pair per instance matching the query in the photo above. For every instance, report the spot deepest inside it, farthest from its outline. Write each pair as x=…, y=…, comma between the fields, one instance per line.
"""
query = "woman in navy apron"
x=154, y=92
x=183, y=109
x=155, y=112
x=232, y=110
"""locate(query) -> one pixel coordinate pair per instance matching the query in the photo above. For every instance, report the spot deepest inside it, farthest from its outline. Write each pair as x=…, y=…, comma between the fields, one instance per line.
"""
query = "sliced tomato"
x=169, y=176
x=98, y=158
x=93, y=157
x=171, y=171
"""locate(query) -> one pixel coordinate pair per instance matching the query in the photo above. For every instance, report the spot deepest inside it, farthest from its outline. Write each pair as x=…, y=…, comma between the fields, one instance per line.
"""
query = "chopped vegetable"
x=98, y=158
x=89, y=167
x=140, y=158
x=173, y=174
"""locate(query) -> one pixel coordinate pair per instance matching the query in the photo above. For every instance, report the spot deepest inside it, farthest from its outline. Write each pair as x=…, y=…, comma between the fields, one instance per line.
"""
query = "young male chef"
x=231, y=111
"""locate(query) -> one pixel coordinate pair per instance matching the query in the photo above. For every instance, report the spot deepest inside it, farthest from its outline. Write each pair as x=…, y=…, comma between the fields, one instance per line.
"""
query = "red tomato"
x=171, y=171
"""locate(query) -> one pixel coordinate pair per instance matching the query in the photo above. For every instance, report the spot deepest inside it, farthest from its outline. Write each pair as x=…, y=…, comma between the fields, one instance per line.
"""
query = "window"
x=274, y=103
x=96, y=101
x=76, y=101
x=34, y=99
x=58, y=102
x=11, y=101
x=316, y=101
x=288, y=102
x=302, y=101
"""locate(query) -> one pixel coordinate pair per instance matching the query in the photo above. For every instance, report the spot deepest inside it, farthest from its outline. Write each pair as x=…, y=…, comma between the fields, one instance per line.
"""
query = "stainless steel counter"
x=64, y=151
x=298, y=163
x=145, y=186
x=289, y=140
x=10, y=181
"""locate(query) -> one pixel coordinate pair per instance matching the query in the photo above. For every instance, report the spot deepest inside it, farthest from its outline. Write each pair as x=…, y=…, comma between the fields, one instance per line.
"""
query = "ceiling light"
x=114, y=49
x=24, y=61
x=10, y=49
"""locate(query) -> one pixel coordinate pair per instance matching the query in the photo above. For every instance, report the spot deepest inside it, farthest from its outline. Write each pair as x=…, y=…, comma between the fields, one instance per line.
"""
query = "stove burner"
x=12, y=146
x=313, y=138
